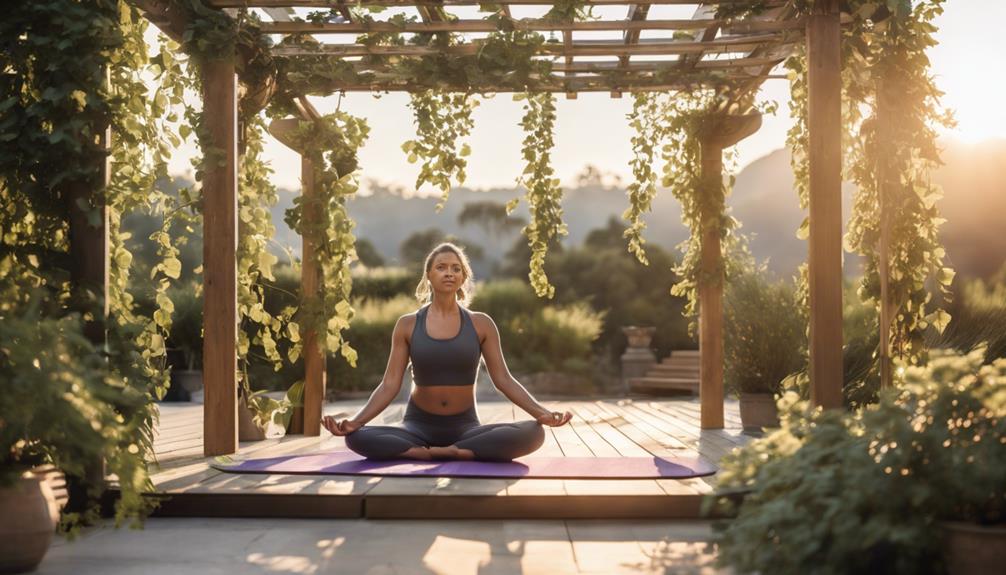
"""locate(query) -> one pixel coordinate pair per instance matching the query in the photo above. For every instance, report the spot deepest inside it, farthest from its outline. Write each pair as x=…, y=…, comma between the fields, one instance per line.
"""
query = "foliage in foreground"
x=837, y=492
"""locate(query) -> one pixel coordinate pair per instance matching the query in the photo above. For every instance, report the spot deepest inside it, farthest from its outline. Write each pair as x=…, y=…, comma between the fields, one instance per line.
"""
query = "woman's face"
x=446, y=272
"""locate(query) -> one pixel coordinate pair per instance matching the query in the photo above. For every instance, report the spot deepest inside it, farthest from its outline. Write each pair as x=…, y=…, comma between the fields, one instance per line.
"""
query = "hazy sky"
x=593, y=129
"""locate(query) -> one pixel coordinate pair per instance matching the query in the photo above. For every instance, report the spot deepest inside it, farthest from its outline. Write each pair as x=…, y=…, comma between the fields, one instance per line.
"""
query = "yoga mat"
x=345, y=462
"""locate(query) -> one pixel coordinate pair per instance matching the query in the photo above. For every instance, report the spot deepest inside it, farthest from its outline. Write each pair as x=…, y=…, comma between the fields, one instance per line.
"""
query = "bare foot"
x=422, y=453
x=452, y=452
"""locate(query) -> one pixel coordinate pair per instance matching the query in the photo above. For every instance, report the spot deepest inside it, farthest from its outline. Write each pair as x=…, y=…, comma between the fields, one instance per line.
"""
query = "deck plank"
x=600, y=428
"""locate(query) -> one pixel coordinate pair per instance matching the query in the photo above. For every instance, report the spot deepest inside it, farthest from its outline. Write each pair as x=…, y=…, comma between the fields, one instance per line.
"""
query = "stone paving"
x=191, y=546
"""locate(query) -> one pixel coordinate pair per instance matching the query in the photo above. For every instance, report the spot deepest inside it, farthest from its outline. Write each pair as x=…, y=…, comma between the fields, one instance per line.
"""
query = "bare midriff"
x=444, y=399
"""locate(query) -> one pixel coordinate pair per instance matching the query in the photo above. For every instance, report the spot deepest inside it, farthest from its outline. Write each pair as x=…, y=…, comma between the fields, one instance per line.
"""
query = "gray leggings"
x=491, y=442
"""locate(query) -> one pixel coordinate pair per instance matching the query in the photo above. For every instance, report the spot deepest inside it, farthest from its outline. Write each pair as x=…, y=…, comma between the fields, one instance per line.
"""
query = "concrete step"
x=685, y=369
x=658, y=384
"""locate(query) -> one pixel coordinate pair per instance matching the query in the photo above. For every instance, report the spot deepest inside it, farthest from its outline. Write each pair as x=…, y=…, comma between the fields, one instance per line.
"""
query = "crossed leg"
x=502, y=441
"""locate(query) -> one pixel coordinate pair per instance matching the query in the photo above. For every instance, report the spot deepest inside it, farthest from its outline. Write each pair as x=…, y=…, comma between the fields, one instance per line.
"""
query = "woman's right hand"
x=340, y=427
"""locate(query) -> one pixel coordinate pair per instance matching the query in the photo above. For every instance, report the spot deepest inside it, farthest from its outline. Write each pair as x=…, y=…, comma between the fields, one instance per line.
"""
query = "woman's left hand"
x=555, y=418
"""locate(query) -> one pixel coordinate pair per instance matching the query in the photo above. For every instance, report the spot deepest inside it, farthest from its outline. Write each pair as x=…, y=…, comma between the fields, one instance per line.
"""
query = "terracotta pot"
x=24, y=542
x=758, y=410
x=971, y=549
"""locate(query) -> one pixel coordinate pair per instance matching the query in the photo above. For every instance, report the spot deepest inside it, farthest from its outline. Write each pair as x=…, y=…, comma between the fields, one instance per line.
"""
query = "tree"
x=414, y=248
x=368, y=254
x=491, y=216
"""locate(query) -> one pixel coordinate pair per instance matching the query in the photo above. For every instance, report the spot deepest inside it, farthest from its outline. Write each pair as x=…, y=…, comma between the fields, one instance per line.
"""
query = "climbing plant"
x=330, y=143
x=544, y=196
x=443, y=120
x=889, y=146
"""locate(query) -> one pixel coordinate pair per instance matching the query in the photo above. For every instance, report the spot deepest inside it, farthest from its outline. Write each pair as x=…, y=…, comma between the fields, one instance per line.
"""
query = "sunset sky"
x=593, y=129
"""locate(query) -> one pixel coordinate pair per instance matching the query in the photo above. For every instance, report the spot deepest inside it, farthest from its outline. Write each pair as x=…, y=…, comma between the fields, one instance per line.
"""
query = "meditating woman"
x=445, y=341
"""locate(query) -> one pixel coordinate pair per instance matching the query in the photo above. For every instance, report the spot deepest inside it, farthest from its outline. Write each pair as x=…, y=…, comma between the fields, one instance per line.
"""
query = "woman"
x=444, y=341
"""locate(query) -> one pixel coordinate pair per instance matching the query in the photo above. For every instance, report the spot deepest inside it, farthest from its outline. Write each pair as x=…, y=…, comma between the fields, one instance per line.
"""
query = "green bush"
x=978, y=318
x=69, y=403
x=383, y=283
x=862, y=492
x=536, y=337
x=369, y=333
x=764, y=333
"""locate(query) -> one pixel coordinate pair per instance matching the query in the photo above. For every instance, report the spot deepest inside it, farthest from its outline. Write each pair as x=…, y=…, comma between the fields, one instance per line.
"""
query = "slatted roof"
x=656, y=45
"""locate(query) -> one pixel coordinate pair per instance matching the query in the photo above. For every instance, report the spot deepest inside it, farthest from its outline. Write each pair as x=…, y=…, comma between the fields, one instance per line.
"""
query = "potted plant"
x=256, y=411
x=915, y=483
x=966, y=469
x=764, y=341
x=62, y=406
x=186, y=338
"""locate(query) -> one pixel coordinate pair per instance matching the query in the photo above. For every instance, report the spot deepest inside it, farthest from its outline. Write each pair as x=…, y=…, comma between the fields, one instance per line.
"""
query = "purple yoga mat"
x=345, y=462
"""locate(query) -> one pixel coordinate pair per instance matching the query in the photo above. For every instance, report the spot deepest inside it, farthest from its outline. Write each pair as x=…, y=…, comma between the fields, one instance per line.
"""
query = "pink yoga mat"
x=345, y=462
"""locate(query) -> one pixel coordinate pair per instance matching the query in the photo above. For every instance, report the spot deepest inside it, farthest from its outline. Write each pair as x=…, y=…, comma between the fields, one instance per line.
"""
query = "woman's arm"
x=391, y=384
x=501, y=377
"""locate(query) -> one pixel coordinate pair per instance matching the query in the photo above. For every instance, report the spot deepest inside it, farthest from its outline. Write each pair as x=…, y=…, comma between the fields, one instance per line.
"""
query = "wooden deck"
x=600, y=428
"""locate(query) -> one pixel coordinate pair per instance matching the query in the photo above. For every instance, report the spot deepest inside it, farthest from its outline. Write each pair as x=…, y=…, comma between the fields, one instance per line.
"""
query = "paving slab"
x=183, y=546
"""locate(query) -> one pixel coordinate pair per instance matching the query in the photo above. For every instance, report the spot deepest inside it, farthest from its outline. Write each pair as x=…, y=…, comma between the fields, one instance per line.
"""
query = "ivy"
x=331, y=144
x=646, y=119
x=543, y=194
x=884, y=60
x=442, y=120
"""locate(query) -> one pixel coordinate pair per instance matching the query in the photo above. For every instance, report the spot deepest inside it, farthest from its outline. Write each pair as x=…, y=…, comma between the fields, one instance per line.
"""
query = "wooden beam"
x=557, y=85
x=535, y=25
x=89, y=276
x=886, y=180
x=582, y=48
x=310, y=284
x=717, y=135
x=824, y=43
x=738, y=65
x=406, y=3
x=220, y=238
x=711, y=294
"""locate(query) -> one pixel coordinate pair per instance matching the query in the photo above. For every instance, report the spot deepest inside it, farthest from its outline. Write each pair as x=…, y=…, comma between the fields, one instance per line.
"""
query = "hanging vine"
x=646, y=119
x=883, y=54
x=443, y=120
x=331, y=144
x=543, y=194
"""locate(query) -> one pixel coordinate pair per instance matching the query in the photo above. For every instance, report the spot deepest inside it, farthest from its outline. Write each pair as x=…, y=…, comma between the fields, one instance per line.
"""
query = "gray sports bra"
x=453, y=361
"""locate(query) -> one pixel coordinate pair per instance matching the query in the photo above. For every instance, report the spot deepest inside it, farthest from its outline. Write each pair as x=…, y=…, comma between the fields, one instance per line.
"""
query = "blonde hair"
x=424, y=291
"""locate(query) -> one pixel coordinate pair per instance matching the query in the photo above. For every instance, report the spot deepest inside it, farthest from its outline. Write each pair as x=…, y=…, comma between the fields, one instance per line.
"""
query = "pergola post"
x=824, y=125
x=711, y=294
x=89, y=269
x=718, y=133
x=220, y=237
x=314, y=358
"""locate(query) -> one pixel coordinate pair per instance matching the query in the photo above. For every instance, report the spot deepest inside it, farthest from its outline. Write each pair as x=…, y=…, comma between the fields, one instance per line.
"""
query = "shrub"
x=837, y=492
x=978, y=318
x=69, y=403
x=764, y=333
x=536, y=337
x=369, y=333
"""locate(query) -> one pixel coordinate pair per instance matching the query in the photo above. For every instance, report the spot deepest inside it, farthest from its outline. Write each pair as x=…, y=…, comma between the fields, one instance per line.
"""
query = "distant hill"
x=763, y=200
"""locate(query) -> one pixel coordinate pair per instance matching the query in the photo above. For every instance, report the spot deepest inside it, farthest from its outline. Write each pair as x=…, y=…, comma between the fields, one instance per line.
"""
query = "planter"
x=24, y=542
x=190, y=380
x=248, y=430
x=970, y=549
x=758, y=410
x=638, y=357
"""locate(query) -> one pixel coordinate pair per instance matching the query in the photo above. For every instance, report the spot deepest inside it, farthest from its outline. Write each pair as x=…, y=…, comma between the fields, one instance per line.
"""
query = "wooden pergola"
x=742, y=52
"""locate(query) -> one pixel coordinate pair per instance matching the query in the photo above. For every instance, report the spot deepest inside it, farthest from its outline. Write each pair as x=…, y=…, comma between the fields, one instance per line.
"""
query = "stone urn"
x=25, y=541
x=758, y=410
x=638, y=357
x=970, y=548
